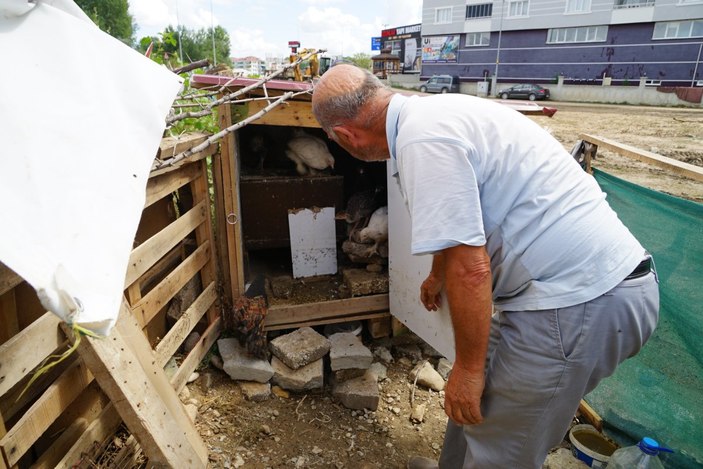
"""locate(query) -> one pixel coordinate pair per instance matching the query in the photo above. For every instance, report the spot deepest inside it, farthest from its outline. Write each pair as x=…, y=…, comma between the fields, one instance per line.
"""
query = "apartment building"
x=585, y=41
x=252, y=65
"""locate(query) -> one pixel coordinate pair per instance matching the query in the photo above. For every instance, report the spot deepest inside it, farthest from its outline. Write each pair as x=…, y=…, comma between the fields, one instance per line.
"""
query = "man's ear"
x=345, y=133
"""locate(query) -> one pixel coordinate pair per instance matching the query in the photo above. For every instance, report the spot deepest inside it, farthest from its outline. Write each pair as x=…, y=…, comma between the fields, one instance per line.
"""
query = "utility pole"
x=500, y=34
x=212, y=30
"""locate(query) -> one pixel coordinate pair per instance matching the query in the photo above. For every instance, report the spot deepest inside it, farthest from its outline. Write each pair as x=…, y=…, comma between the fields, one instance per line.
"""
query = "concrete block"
x=358, y=393
x=239, y=365
x=347, y=351
x=308, y=377
x=300, y=348
x=361, y=282
x=340, y=376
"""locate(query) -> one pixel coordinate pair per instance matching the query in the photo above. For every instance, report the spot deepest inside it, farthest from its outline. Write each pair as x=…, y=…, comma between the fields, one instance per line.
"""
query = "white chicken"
x=309, y=153
x=376, y=231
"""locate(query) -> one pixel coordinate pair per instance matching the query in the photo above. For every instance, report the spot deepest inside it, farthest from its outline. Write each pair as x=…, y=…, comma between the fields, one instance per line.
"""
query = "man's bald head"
x=342, y=92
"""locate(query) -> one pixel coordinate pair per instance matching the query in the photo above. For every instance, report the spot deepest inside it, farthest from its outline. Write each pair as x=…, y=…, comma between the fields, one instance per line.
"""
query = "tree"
x=112, y=16
x=361, y=60
x=194, y=44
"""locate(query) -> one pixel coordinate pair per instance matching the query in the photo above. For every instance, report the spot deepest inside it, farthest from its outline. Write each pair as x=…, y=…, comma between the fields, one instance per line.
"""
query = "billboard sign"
x=436, y=49
x=375, y=43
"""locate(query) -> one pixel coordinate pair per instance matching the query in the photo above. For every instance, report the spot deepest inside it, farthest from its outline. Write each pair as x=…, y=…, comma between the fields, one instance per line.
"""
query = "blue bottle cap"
x=651, y=447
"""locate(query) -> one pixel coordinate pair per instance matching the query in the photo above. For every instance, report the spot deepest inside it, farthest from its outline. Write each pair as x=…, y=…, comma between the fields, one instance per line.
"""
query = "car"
x=525, y=91
x=441, y=84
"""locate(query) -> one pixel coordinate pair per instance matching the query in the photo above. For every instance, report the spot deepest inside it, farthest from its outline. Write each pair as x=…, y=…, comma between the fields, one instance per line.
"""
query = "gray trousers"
x=540, y=365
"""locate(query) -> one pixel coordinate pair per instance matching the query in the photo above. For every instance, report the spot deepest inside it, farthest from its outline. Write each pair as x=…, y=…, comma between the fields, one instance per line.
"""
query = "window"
x=478, y=39
x=578, y=6
x=583, y=34
x=443, y=15
x=518, y=8
x=633, y=3
x=678, y=29
x=484, y=10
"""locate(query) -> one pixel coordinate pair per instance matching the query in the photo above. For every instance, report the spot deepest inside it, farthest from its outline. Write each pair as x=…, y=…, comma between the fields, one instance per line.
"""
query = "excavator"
x=316, y=65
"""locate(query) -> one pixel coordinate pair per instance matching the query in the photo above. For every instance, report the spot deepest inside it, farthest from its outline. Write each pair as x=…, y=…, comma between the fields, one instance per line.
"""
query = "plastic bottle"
x=644, y=455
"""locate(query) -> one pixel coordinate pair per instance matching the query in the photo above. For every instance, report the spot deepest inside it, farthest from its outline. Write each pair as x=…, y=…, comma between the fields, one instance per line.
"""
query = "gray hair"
x=346, y=107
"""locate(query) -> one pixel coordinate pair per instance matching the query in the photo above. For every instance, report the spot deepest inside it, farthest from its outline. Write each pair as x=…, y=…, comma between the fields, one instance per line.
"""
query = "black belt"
x=641, y=270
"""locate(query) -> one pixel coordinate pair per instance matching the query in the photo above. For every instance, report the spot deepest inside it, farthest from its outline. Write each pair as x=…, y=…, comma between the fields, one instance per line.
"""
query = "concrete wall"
x=640, y=95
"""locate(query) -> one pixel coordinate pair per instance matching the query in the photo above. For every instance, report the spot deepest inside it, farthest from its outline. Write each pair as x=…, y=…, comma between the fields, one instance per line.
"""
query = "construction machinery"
x=311, y=67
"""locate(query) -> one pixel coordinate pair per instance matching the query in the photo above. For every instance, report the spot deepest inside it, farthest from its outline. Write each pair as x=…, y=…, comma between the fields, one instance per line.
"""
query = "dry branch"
x=191, y=66
x=263, y=80
x=215, y=137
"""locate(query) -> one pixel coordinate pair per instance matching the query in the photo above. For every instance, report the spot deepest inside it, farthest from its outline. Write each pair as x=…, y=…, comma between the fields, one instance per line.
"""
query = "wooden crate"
x=120, y=378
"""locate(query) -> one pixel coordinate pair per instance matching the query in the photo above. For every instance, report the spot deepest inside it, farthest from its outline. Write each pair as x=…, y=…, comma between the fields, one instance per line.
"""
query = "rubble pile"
x=305, y=360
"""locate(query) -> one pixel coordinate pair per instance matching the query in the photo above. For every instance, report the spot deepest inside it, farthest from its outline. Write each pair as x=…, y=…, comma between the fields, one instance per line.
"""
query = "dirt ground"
x=312, y=430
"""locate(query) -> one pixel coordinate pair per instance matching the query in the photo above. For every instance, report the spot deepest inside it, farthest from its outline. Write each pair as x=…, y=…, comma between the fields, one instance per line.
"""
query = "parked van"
x=441, y=84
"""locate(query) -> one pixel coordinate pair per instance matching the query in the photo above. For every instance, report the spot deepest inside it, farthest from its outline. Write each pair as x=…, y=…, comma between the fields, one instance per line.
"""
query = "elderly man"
x=512, y=221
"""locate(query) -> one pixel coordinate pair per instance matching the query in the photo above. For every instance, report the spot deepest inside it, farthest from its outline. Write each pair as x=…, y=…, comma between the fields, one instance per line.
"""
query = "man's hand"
x=462, y=396
x=430, y=292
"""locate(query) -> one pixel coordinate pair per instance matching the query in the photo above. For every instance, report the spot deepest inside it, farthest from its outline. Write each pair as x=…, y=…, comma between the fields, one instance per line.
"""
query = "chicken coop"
x=292, y=207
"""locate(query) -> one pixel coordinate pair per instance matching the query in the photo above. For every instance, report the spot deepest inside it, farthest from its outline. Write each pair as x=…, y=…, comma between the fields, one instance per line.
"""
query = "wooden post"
x=229, y=228
x=127, y=370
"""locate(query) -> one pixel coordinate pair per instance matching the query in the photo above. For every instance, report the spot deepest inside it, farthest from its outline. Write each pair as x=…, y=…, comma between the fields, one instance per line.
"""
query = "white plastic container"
x=589, y=446
x=644, y=455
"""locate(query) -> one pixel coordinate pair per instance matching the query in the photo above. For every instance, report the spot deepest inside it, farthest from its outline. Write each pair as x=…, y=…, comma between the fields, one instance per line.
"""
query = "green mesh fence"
x=659, y=393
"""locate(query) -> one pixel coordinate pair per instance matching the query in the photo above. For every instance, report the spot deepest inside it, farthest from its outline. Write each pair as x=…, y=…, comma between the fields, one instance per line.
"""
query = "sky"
x=262, y=28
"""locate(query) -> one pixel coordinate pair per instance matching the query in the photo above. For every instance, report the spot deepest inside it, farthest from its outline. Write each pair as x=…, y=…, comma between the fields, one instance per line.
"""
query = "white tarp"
x=81, y=118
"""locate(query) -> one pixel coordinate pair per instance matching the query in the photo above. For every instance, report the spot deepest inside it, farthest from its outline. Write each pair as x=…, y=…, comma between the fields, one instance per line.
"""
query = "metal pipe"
x=695, y=70
x=500, y=34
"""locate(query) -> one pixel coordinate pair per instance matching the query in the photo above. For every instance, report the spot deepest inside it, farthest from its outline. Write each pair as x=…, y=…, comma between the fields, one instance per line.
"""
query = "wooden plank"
x=15, y=363
x=159, y=187
x=11, y=403
x=284, y=314
x=334, y=320
x=292, y=113
x=232, y=211
x=223, y=260
x=171, y=146
x=162, y=293
x=191, y=362
x=670, y=164
x=109, y=420
x=126, y=369
x=9, y=325
x=379, y=327
x=63, y=443
x=210, y=150
x=129, y=328
x=59, y=395
x=201, y=193
x=175, y=337
x=8, y=279
x=99, y=429
x=159, y=270
x=590, y=415
x=148, y=253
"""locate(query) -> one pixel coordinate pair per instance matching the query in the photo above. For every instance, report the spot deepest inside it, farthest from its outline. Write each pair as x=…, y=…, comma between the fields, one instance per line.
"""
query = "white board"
x=313, y=242
x=406, y=273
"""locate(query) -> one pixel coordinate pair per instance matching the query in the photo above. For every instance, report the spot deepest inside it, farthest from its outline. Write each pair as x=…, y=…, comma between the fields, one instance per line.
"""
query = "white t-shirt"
x=476, y=172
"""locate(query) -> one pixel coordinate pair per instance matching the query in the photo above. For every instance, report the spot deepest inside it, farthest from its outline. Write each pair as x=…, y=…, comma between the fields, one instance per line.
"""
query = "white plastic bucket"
x=590, y=446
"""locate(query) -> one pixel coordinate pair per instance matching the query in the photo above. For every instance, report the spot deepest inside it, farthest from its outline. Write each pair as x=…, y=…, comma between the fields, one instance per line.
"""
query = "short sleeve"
x=441, y=189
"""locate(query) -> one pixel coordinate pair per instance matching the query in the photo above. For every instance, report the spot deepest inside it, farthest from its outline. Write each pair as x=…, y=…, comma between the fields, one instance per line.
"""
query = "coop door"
x=406, y=273
x=313, y=242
